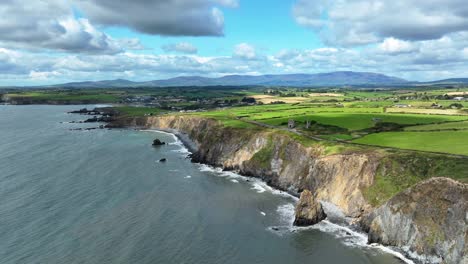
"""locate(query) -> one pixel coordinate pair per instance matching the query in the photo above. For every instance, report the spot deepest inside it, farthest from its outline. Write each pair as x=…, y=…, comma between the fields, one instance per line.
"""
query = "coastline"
x=355, y=235
x=229, y=153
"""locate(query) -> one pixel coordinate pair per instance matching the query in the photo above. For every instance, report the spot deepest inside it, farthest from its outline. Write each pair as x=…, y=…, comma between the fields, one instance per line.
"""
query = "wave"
x=343, y=231
x=257, y=187
x=177, y=142
x=256, y=184
x=346, y=234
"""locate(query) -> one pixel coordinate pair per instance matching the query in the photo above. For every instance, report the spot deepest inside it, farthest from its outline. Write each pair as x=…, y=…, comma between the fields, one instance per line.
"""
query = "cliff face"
x=430, y=219
x=278, y=160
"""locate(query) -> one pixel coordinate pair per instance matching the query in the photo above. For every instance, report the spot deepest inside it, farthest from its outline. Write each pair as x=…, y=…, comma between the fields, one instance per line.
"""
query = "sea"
x=71, y=195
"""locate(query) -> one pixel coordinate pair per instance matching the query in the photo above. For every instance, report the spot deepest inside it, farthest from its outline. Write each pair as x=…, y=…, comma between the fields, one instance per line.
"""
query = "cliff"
x=430, y=219
x=276, y=158
x=360, y=181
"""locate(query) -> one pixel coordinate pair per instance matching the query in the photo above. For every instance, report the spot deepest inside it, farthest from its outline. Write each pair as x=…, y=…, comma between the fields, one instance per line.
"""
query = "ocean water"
x=101, y=196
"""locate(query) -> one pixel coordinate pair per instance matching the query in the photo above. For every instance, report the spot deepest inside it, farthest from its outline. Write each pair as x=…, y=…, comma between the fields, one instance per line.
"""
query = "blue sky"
x=58, y=41
x=271, y=20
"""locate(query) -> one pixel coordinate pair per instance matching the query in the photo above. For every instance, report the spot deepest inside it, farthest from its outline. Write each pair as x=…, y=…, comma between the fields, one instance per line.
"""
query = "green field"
x=432, y=121
x=359, y=121
x=137, y=111
x=463, y=125
x=455, y=142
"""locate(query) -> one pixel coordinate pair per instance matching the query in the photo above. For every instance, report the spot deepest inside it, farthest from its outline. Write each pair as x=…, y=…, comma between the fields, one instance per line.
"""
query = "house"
x=291, y=124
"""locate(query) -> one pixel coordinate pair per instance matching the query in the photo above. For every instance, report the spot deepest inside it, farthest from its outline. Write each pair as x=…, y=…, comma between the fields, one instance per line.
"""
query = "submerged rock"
x=158, y=142
x=429, y=219
x=309, y=211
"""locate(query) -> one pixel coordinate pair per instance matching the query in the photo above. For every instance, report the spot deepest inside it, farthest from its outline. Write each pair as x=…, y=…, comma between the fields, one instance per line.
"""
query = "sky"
x=57, y=41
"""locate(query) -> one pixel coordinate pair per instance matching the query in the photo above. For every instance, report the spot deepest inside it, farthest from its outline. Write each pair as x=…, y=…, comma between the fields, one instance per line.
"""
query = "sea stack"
x=308, y=211
x=158, y=142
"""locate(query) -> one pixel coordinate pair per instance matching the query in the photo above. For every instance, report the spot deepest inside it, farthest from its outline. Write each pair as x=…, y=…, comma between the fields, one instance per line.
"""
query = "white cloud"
x=393, y=45
x=50, y=25
x=41, y=76
x=359, y=22
x=182, y=47
x=422, y=60
x=244, y=50
x=465, y=52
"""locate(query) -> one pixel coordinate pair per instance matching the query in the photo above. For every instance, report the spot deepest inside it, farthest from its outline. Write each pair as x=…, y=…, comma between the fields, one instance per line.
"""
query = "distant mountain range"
x=339, y=78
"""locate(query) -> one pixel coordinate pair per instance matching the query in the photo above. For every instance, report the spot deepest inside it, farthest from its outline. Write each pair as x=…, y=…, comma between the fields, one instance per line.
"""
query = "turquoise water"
x=100, y=196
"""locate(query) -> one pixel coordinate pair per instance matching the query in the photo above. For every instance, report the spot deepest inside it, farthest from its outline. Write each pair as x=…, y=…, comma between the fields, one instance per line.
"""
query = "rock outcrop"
x=431, y=219
x=158, y=142
x=308, y=211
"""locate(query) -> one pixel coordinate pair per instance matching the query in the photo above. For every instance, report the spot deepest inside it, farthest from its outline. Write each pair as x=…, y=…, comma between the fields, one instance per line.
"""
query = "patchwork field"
x=454, y=142
x=443, y=126
x=433, y=120
x=268, y=99
x=427, y=111
x=363, y=122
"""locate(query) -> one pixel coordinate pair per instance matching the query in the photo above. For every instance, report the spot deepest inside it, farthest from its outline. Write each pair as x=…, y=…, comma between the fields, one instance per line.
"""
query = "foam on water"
x=177, y=142
x=256, y=184
x=344, y=232
x=257, y=187
x=347, y=234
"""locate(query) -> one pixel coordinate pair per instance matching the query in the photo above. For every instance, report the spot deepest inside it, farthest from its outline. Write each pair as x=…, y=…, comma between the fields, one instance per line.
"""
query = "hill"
x=342, y=78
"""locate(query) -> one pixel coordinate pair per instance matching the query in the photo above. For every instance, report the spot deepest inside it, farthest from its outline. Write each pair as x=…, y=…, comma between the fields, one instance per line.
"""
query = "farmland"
x=422, y=119
x=433, y=141
x=370, y=119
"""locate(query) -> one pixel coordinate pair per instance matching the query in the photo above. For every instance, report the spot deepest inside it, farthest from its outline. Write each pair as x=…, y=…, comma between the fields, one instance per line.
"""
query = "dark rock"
x=158, y=142
x=81, y=111
x=309, y=211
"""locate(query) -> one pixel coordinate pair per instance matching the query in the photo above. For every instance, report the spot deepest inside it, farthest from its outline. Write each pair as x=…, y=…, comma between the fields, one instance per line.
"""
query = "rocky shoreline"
x=338, y=179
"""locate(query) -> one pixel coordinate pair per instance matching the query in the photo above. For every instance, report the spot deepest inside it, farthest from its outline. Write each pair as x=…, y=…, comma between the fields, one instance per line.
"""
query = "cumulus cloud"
x=50, y=25
x=245, y=51
x=422, y=60
x=160, y=17
x=393, y=45
x=358, y=22
x=182, y=47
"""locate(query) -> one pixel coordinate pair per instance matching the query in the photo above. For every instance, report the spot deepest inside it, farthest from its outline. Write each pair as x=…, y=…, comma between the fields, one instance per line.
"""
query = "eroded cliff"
x=278, y=159
x=357, y=181
x=430, y=219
